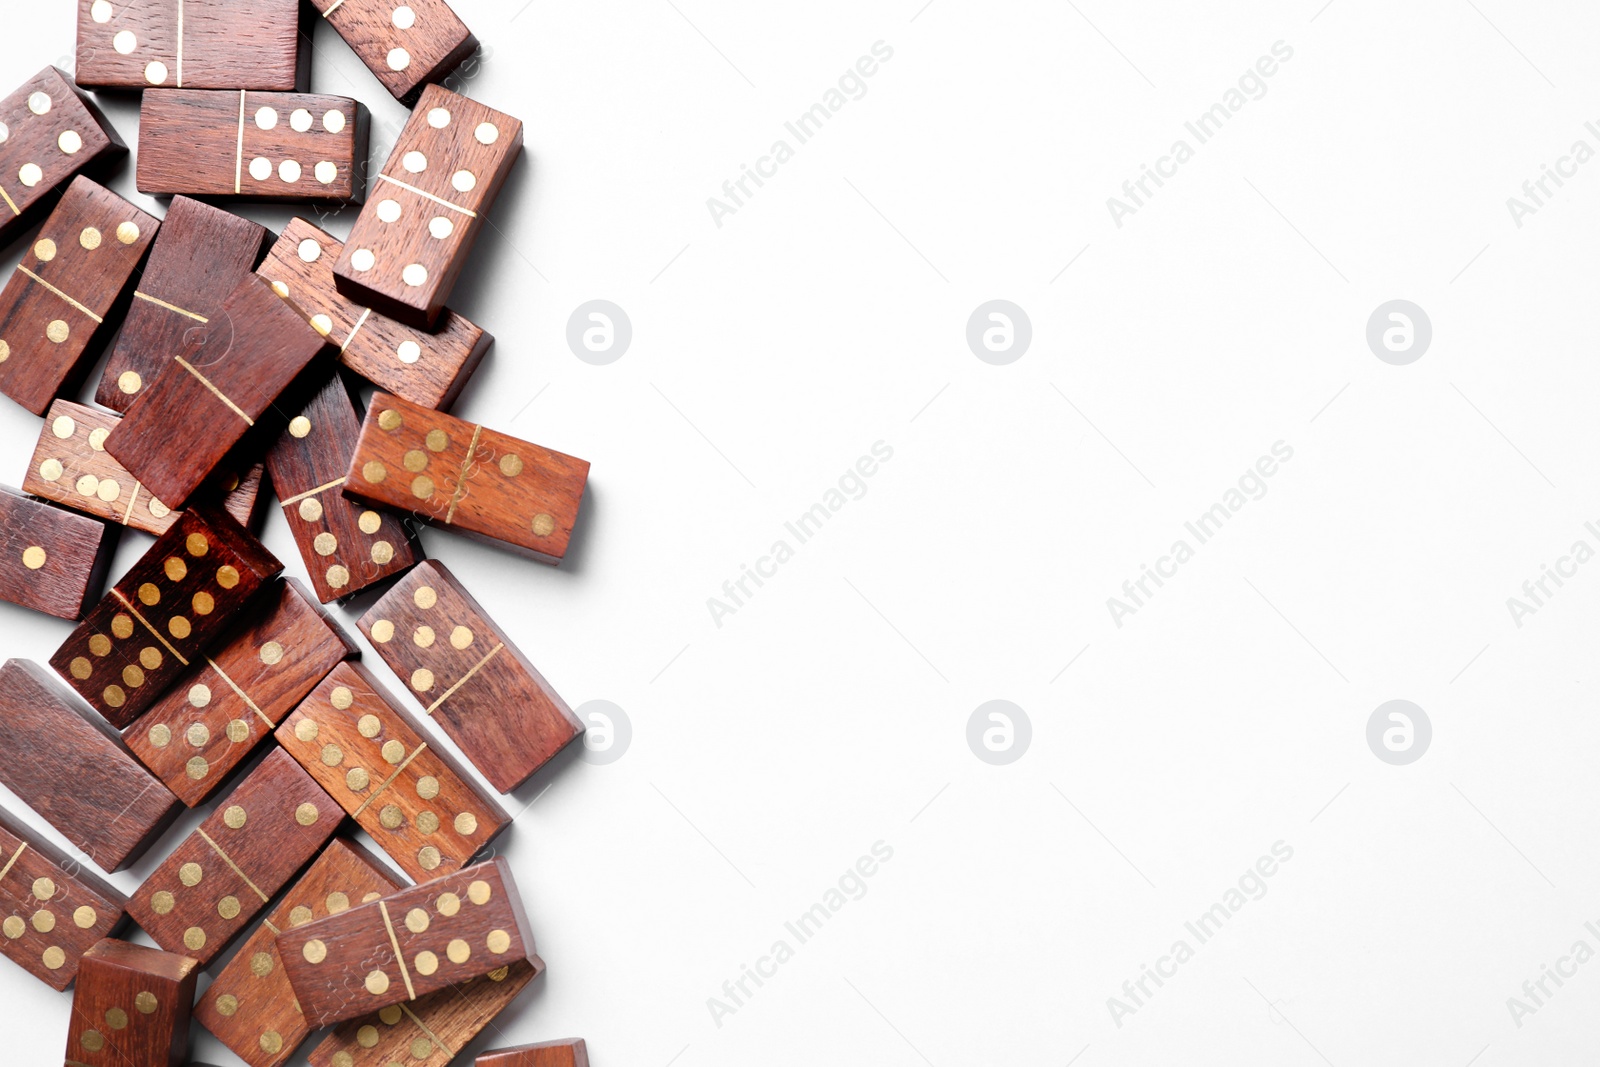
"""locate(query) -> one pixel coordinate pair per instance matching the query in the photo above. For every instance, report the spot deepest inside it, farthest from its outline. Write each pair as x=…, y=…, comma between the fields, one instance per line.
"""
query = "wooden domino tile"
x=71, y=467
x=251, y=1007
x=226, y=703
x=407, y=945
x=51, y=560
x=571, y=1052
x=192, y=44
x=346, y=547
x=49, y=132
x=468, y=675
x=201, y=254
x=214, y=391
x=432, y=1030
x=239, y=490
x=74, y=771
x=410, y=242
x=54, y=310
x=131, y=1008
x=256, y=146
x=414, y=800
x=406, y=45
x=163, y=614
x=424, y=368
x=55, y=910
x=475, y=480
x=222, y=875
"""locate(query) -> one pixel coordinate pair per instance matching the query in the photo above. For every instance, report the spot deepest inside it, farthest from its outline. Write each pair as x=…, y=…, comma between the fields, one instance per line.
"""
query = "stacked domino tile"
x=206, y=675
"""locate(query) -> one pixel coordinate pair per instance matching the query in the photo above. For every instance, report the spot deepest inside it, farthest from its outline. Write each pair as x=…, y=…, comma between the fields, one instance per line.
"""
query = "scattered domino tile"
x=571, y=1052
x=463, y=668
x=131, y=1008
x=215, y=389
x=56, y=910
x=430, y=1031
x=425, y=368
x=227, y=703
x=74, y=771
x=71, y=467
x=407, y=945
x=251, y=1007
x=406, y=45
x=51, y=560
x=200, y=255
x=192, y=44
x=54, y=310
x=346, y=547
x=454, y=473
x=49, y=132
x=373, y=757
x=163, y=613
x=256, y=146
x=222, y=876
x=408, y=246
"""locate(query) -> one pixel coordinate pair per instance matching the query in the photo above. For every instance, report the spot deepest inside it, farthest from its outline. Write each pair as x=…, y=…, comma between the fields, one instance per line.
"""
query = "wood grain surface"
x=226, y=704
x=71, y=467
x=52, y=132
x=430, y=1031
x=450, y=472
x=411, y=240
x=224, y=874
x=569, y=1052
x=373, y=757
x=192, y=44
x=131, y=1008
x=51, y=560
x=407, y=945
x=253, y=146
x=425, y=368
x=405, y=46
x=200, y=256
x=251, y=1007
x=58, y=309
x=469, y=677
x=74, y=771
x=55, y=909
x=346, y=547
x=163, y=613
x=213, y=391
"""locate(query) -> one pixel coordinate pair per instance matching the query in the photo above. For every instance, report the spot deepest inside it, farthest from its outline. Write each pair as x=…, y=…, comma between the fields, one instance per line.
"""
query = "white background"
x=1167, y=755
